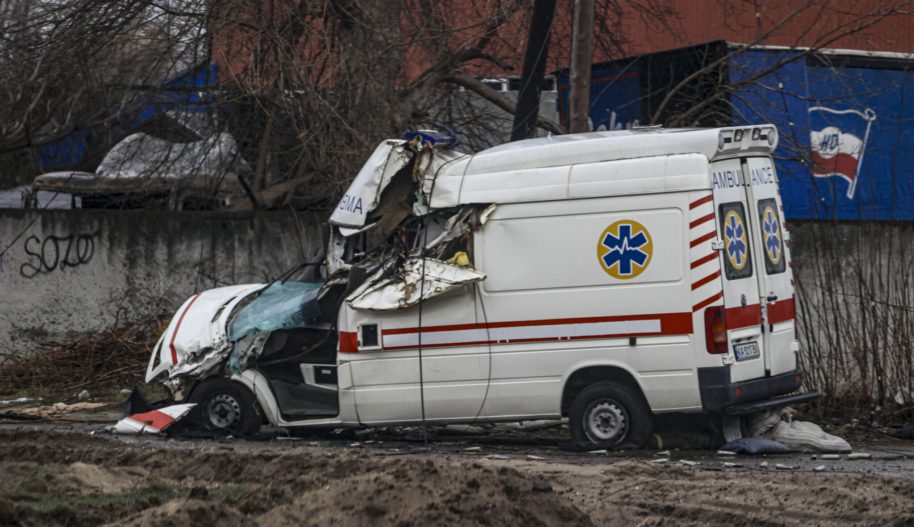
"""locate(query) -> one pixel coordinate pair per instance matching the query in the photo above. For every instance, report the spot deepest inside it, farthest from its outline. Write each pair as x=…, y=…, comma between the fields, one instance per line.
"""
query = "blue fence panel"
x=845, y=149
x=615, y=97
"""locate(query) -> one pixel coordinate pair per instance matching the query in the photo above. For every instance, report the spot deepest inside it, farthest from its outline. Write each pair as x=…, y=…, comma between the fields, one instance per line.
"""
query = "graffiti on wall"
x=56, y=253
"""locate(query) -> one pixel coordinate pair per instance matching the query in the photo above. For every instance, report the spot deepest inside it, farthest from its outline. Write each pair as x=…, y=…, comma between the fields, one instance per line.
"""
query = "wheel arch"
x=255, y=383
x=585, y=375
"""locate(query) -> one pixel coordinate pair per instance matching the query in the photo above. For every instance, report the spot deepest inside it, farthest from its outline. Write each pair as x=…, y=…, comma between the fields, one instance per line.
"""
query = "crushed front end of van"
x=380, y=257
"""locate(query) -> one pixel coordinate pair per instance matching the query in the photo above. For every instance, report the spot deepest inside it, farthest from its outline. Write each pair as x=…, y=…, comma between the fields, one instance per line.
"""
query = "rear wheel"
x=608, y=415
x=226, y=407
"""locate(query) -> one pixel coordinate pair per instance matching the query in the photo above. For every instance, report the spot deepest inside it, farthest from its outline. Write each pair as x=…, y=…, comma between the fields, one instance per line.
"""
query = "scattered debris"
x=660, y=460
x=728, y=464
x=778, y=425
x=542, y=424
x=763, y=464
x=859, y=455
x=472, y=449
x=462, y=430
x=829, y=457
x=54, y=410
x=725, y=453
x=689, y=463
x=820, y=468
x=84, y=395
x=780, y=466
x=153, y=422
x=755, y=446
x=531, y=457
x=599, y=452
x=17, y=401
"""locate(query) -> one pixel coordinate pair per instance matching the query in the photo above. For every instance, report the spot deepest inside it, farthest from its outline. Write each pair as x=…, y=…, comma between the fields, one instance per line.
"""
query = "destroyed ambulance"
x=606, y=277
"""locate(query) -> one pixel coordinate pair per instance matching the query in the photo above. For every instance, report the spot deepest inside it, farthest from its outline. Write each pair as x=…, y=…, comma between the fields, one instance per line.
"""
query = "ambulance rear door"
x=742, y=306
x=772, y=258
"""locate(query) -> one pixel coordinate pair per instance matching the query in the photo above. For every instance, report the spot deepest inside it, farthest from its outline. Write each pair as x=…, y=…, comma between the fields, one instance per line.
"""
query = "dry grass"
x=111, y=358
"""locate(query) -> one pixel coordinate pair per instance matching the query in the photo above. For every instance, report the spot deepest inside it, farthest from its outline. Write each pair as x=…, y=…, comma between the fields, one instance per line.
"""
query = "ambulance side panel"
x=387, y=384
x=553, y=307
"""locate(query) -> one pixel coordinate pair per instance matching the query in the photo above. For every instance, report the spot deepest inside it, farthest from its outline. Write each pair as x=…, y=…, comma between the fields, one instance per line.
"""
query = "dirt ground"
x=72, y=473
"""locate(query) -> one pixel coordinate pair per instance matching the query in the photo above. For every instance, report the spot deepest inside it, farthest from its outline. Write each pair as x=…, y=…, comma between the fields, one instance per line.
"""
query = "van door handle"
x=772, y=298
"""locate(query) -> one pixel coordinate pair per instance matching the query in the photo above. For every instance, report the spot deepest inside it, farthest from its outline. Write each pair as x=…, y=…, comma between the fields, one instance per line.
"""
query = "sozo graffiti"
x=56, y=252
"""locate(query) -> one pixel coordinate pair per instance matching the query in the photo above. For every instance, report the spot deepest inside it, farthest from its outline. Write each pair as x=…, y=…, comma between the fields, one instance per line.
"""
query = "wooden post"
x=581, y=61
x=528, y=98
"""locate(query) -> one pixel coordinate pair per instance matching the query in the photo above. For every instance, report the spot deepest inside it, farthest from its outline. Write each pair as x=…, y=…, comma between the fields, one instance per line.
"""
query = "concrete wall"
x=67, y=271
x=855, y=307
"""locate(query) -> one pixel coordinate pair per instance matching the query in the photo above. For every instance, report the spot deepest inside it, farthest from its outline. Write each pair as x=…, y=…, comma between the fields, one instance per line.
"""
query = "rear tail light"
x=716, y=330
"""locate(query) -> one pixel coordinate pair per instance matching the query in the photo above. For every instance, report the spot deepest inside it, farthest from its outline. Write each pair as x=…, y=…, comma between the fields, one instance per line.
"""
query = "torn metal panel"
x=363, y=194
x=466, y=220
x=419, y=279
x=446, y=191
x=429, y=170
x=154, y=421
x=455, y=227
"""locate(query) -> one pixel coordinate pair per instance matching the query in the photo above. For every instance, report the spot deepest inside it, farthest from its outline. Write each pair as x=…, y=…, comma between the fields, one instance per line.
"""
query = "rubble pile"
x=114, y=357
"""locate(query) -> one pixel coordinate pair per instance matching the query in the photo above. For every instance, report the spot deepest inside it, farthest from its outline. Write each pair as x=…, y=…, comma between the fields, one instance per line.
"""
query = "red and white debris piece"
x=153, y=422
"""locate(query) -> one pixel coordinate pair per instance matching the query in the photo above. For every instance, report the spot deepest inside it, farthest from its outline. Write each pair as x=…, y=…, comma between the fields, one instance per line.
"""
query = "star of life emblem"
x=771, y=229
x=736, y=240
x=625, y=249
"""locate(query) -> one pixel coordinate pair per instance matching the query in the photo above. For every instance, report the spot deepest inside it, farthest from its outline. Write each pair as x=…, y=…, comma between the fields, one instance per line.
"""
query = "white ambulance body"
x=620, y=275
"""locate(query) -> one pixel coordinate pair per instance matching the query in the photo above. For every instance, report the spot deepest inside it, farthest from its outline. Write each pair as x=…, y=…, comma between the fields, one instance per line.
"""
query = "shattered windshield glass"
x=282, y=305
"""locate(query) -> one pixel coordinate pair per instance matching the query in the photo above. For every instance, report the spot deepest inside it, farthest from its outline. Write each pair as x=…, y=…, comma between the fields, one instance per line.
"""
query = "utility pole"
x=528, y=99
x=581, y=61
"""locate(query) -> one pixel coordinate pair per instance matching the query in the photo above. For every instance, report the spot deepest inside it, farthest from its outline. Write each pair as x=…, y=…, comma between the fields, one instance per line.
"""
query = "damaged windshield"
x=281, y=305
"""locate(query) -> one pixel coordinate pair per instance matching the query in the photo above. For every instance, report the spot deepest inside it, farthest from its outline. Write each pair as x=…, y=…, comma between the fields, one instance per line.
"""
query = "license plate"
x=746, y=351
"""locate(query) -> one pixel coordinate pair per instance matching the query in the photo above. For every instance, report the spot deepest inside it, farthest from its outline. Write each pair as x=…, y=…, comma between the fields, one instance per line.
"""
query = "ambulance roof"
x=639, y=161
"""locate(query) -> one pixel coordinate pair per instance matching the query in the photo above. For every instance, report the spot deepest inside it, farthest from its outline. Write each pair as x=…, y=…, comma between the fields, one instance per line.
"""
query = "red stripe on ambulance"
x=700, y=201
x=703, y=260
x=702, y=220
x=782, y=311
x=349, y=342
x=707, y=302
x=171, y=343
x=705, y=280
x=744, y=317
x=700, y=239
x=538, y=331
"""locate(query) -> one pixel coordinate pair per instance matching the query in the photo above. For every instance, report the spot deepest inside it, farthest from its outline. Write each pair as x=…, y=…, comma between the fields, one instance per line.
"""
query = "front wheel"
x=226, y=407
x=608, y=415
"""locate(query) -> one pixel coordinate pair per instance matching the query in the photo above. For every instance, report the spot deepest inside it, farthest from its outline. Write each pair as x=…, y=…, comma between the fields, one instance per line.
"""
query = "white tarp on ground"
x=778, y=425
x=142, y=155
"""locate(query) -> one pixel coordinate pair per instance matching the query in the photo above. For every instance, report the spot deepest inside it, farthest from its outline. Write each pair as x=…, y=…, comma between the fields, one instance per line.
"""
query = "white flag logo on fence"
x=838, y=140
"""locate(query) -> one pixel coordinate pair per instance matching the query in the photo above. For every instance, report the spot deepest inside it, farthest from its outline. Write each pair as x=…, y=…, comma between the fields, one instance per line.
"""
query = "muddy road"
x=64, y=474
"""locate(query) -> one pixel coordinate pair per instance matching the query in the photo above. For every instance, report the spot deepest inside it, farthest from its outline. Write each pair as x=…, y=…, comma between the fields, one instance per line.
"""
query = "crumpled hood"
x=200, y=324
